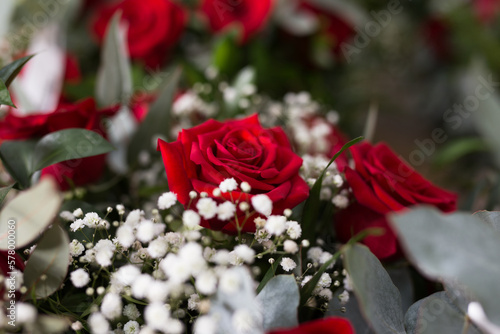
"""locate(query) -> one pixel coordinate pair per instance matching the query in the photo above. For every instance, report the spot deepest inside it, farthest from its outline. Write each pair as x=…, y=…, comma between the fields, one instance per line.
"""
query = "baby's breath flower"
x=288, y=264
x=67, y=216
x=340, y=201
x=79, y=278
x=193, y=301
x=131, y=327
x=344, y=297
x=245, y=187
x=207, y=208
x=276, y=225
x=78, y=213
x=226, y=211
x=262, y=204
x=111, y=306
x=167, y=200
x=190, y=219
x=76, y=248
x=290, y=246
x=228, y=185
x=205, y=325
x=98, y=323
x=293, y=229
x=131, y=311
x=206, y=283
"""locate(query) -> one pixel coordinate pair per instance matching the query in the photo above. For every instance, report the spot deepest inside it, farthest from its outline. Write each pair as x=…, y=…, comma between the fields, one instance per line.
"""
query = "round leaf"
x=48, y=264
x=32, y=211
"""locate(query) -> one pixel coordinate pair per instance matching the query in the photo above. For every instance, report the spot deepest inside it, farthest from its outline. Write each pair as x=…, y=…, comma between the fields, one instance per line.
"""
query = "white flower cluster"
x=91, y=220
x=191, y=103
x=311, y=169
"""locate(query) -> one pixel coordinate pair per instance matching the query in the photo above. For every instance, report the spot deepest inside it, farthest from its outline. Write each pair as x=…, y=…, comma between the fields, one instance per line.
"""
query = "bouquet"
x=156, y=178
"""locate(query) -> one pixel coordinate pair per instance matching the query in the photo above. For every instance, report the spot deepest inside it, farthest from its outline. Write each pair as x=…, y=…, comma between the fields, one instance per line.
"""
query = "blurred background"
x=423, y=76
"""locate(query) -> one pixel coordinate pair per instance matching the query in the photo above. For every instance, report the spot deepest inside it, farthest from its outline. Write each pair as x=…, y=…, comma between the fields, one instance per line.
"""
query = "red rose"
x=249, y=15
x=5, y=268
x=330, y=325
x=203, y=156
x=381, y=183
x=83, y=115
x=154, y=27
x=487, y=10
x=335, y=27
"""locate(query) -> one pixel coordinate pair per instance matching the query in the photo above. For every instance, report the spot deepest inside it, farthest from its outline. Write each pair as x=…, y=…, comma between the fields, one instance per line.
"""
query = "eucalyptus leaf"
x=490, y=217
x=454, y=247
x=68, y=144
x=157, y=121
x=5, y=95
x=437, y=314
x=16, y=157
x=9, y=72
x=379, y=299
x=280, y=299
x=32, y=210
x=269, y=275
x=351, y=311
x=114, y=78
x=49, y=259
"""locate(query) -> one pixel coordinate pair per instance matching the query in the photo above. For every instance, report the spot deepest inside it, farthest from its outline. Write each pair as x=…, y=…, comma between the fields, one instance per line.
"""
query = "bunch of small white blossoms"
x=333, y=186
x=163, y=272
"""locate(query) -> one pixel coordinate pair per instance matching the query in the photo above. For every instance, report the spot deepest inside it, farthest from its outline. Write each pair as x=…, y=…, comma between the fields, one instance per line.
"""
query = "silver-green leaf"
x=47, y=266
x=29, y=213
x=454, y=247
x=379, y=299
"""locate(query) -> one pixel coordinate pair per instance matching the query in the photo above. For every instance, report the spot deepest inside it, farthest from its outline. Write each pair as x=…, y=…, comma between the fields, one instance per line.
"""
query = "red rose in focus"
x=330, y=325
x=5, y=261
x=249, y=15
x=154, y=27
x=335, y=27
x=204, y=156
x=381, y=183
x=83, y=115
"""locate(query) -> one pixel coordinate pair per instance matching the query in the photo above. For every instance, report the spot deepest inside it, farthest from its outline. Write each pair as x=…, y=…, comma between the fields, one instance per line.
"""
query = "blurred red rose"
x=249, y=15
x=82, y=114
x=203, y=156
x=338, y=29
x=487, y=10
x=437, y=35
x=330, y=325
x=381, y=183
x=154, y=27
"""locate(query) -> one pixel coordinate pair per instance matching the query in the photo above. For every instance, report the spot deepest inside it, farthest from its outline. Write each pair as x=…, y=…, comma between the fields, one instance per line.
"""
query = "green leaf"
x=454, y=247
x=437, y=314
x=280, y=299
x=157, y=121
x=4, y=191
x=32, y=210
x=227, y=54
x=49, y=260
x=68, y=144
x=269, y=274
x=17, y=159
x=5, y=95
x=114, y=78
x=379, y=299
x=9, y=72
x=350, y=310
x=311, y=210
x=458, y=149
